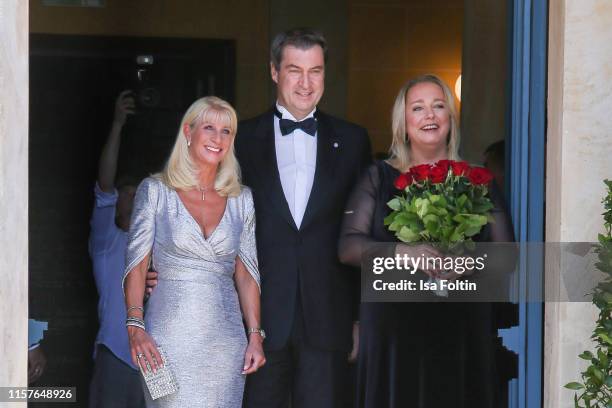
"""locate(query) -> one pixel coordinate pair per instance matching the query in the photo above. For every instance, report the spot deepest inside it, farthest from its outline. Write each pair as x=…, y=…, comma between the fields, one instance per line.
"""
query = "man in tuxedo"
x=301, y=164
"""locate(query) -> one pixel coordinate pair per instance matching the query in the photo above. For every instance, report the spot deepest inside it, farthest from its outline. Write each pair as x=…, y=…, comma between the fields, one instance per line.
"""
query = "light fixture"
x=458, y=87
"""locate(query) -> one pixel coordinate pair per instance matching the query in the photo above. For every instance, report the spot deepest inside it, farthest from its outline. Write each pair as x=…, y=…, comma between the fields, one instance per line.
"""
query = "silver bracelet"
x=136, y=324
x=135, y=308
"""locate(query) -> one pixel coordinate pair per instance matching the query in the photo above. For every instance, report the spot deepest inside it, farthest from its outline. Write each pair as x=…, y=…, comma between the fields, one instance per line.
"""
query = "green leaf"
x=422, y=207
x=470, y=245
x=474, y=220
x=395, y=204
x=605, y=338
x=389, y=218
x=598, y=374
x=586, y=355
x=607, y=297
x=459, y=219
x=471, y=231
x=609, y=382
x=408, y=235
x=603, y=359
x=574, y=386
x=461, y=200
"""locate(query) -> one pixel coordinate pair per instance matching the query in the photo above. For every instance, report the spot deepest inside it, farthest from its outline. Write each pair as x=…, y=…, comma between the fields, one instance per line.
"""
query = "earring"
x=188, y=143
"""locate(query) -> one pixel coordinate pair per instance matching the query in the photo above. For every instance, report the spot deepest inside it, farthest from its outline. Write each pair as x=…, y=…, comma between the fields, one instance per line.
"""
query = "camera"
x=146, y=94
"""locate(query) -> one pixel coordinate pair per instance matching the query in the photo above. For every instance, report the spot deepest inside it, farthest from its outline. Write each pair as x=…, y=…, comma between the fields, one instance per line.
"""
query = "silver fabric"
x=194, y=312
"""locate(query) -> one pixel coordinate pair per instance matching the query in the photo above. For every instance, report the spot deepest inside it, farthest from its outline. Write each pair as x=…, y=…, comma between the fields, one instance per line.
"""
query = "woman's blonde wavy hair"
x=400, y=145
x=180, y=172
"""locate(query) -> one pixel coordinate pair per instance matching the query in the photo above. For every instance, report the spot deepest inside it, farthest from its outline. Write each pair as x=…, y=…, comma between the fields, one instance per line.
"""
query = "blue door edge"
x=527, y=182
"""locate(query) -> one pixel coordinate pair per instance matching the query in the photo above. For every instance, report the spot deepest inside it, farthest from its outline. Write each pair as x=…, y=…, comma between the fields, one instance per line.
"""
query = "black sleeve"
x=355, y=233
x=501, y=229
x=505, y=314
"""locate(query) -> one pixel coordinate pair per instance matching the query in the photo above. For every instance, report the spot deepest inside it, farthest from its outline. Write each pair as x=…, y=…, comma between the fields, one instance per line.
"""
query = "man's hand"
x=151, y=282
x=36, y=364
x=355, y=351
x=124, y=106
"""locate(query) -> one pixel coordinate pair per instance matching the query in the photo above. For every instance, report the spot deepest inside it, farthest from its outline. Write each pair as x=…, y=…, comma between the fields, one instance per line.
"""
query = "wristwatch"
x=258, y=330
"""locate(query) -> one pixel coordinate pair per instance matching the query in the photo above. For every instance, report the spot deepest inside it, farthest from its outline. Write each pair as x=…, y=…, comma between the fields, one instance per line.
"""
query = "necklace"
x=203, y=190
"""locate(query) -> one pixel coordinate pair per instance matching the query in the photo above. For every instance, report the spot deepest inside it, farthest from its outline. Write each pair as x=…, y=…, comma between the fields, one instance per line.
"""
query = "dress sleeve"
x=142, y=224
x=248, y=249
x=355, y=234
x=501, y=228
x=505, y=313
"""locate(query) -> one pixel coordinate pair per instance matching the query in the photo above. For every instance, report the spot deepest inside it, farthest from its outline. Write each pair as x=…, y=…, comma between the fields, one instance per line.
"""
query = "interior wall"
x=246, y=22
x=14, y=193
x=391, y=42
x=485, y=77
x=578, y=159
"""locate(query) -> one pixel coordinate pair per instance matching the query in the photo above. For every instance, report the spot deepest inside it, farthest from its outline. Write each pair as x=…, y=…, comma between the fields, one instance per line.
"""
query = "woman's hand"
x=143, y=347
x=422, y=251
x=254, y=356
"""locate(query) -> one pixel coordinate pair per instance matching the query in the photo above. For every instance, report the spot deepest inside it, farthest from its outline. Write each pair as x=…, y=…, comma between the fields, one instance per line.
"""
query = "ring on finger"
x=140, y=355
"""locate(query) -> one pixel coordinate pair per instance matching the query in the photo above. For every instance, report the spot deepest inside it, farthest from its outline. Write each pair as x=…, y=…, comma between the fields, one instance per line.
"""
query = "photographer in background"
x=115, y=381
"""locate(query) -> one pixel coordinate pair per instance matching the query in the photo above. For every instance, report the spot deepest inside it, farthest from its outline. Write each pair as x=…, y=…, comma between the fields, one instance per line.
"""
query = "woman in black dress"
x=420, y=355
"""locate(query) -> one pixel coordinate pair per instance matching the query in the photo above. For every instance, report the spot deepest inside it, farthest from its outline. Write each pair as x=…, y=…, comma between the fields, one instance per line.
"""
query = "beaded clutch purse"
x=162, y=382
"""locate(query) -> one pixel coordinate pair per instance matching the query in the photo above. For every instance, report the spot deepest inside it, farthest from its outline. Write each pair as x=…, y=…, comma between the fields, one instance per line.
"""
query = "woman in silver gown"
x=196, y=223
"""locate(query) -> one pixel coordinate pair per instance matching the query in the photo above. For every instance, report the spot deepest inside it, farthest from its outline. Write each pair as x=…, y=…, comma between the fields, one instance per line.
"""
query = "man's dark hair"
x=301, y=38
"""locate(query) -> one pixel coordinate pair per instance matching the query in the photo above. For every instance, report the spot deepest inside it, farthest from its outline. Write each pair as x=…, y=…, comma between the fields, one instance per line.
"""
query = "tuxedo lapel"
x=328, y=146
x=267, y=168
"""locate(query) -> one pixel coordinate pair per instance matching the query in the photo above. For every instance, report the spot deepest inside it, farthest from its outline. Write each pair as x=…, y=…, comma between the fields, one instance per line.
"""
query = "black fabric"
x=302, y=261
x=421, y=355
x=114, y=384
x=300, y=376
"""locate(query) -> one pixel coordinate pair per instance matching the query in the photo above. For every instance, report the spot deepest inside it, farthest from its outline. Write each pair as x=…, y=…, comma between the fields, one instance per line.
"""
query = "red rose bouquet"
x=446, y=203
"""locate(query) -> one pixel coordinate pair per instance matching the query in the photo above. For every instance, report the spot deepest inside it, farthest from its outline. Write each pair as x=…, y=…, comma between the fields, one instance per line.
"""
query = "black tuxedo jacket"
x=304, y=259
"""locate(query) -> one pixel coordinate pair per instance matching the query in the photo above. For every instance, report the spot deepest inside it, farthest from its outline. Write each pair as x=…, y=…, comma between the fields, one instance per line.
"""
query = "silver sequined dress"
x=194, y=312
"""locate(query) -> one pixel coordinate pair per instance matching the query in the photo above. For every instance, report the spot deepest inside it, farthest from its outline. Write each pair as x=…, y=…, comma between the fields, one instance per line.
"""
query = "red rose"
x=402, y=181
x=420, y=172
x=460, y=168
x=438, y=173
x=445, y=164
x=479, y=176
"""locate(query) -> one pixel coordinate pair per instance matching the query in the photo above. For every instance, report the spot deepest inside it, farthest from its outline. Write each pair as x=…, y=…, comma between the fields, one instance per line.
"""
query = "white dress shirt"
x=296, y=158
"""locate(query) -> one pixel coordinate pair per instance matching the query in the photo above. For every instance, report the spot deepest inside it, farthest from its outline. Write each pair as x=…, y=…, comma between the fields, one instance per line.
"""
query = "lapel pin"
x=336, y=145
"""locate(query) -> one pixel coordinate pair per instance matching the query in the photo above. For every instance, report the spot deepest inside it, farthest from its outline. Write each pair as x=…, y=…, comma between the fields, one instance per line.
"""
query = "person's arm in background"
x=102, y=223
x=107, y=167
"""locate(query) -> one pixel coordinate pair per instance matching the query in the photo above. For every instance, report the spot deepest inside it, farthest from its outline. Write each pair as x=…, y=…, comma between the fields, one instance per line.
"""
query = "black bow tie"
x=288, y=126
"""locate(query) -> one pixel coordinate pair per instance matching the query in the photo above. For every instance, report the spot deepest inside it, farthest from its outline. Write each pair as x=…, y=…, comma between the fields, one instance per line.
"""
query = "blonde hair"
x=180, y=172
x=400, y=144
